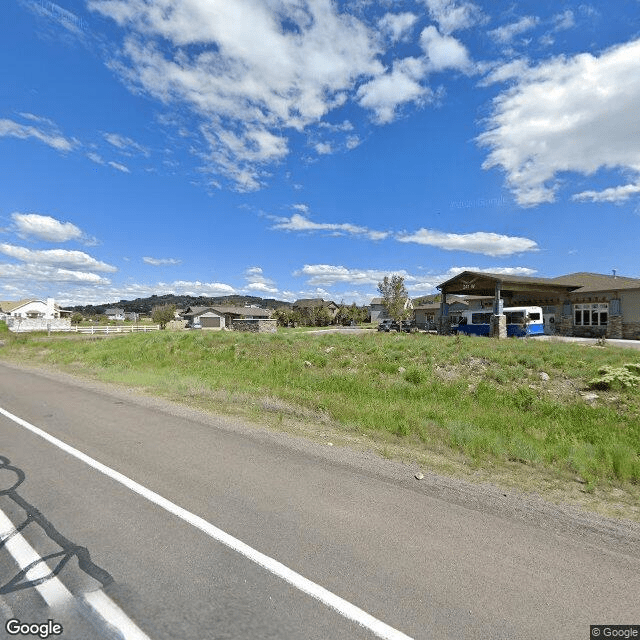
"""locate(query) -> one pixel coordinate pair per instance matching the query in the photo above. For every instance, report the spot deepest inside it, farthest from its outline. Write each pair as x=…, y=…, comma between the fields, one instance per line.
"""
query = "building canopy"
x=476, y=283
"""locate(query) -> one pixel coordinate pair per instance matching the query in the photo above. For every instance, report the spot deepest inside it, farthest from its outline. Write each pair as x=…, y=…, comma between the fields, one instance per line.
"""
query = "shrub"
x=616, y=377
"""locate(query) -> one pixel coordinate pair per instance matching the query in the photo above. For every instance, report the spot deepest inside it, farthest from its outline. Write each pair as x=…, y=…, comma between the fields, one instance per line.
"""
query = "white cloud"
x=118, y=166
x=489, y=244
x=257, y=68
x=102, y=292
x=452, y=15
x=326, y=275
x=123, y=143
x=564, y=20
x=506, y=33
x=444, y=51
x=160, y=262
x=258, y=282
x=301, y=223
x=353, y=141
x=261, y=287
x=96, y=157
x=330, y=275
x=386, y=92
x=47, y=133
x=323, y=148
x=567, y=114
x=33, y=225
x=195, y=288
x=613, y=194
x=61, y=258
x=29, y=273
x=396, y=25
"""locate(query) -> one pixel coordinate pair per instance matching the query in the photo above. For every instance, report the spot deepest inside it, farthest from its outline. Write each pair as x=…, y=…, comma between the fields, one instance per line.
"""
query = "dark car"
x=389, y=325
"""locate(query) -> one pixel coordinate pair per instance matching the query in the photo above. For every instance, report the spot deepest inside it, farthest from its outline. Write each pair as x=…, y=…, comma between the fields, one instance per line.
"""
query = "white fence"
x=121, y=328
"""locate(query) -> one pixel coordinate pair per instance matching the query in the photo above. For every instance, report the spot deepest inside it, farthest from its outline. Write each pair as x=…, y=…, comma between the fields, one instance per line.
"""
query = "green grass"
x=482, y=399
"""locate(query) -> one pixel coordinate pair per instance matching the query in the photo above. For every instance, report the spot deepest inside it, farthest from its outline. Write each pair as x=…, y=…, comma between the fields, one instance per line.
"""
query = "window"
x=515, y=317
x=480, y=318
x=594, y=314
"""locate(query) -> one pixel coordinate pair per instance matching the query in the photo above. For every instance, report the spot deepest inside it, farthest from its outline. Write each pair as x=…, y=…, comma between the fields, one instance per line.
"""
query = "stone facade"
x=631, y=330
x=262, y=325
x=614, y=327
x=498, y=326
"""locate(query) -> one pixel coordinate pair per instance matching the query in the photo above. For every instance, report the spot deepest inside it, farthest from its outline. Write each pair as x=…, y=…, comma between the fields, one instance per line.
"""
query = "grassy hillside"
x=511, y=402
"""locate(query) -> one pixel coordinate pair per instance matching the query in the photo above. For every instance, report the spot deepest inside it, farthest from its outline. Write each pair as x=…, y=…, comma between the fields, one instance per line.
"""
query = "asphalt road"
x=198, y=528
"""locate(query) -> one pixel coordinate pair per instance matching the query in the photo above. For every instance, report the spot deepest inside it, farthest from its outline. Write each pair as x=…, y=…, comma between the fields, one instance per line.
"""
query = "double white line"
x=54, y=592
x=343, y=607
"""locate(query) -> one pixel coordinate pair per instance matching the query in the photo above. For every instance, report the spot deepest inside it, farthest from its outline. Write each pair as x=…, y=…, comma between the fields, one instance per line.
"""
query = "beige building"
x=578, y=304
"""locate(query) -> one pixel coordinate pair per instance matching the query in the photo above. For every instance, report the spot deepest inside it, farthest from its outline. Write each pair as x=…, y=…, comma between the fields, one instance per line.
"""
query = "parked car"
x=388, y=325
x=408, y=326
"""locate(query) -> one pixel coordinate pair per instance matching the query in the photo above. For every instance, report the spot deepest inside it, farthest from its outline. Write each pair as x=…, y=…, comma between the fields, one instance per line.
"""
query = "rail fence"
x=132, y=328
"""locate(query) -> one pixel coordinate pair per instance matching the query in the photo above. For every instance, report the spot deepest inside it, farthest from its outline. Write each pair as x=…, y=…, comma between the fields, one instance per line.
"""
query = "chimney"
x=50, y=314
x=614, y=274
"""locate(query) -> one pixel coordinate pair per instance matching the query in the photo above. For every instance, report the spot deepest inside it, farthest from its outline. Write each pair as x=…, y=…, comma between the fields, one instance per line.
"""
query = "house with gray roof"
x=222, y=316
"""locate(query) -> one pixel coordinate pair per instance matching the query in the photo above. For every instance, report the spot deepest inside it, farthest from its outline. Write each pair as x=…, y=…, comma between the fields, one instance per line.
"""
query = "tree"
x=76, y=318
x=395, y=296
x=163, y=314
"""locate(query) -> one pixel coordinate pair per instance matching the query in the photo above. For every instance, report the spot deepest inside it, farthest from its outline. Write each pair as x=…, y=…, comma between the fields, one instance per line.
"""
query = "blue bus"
x=521, y=321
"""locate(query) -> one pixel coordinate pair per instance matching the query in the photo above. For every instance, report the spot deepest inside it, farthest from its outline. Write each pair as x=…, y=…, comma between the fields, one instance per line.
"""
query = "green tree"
x=163, y=314
x=321, y=317
x=76, y=318
x=394, y=295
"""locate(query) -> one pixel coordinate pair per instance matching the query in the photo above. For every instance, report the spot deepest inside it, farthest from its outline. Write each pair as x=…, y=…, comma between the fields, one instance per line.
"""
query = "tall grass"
x=483, y=398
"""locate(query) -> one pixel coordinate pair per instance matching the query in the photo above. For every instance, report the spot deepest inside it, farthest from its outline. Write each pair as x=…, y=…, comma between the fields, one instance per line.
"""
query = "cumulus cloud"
x=119, y=166
x=60, y=258
x=385, y=93
x=444, y=51
x=564, y=20
x=247, y=69
x=506, y=33
x=323, y=148
x=329, y=275
x=194, y=288
x=256, y=281
x=567, y=114
x=33, y=225
x=28, y=273
x=161, y=262
x=396, y=25
x=452, y=15
x=123, y=143
x=46, y=132
x=326, y=275
x=298, y=222
x=613, y=194
x=489, y=244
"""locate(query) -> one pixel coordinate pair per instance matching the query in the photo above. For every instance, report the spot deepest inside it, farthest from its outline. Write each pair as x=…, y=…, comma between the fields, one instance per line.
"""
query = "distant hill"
x=427, y=299
x=145, y=305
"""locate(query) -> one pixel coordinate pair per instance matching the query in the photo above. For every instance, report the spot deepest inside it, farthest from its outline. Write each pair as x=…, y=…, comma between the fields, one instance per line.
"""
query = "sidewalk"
x=627, y=344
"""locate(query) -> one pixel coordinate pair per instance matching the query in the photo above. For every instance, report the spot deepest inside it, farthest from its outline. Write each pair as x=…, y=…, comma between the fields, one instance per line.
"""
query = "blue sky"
x=307, y=148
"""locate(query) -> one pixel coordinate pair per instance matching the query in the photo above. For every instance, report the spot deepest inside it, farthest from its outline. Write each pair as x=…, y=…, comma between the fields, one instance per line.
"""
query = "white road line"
x=343, y=607
x=54, y=592
x=108, y=610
